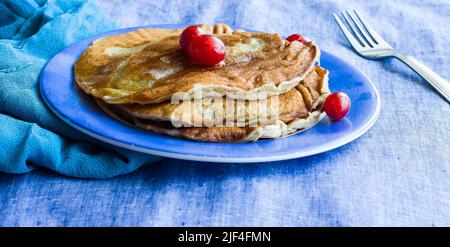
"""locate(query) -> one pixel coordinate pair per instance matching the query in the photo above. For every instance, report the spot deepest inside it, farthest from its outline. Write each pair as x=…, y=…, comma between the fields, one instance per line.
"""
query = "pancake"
x=148, y=66
x=296, y=103
x=235, y=134
x=219, y=134
x=299, y=109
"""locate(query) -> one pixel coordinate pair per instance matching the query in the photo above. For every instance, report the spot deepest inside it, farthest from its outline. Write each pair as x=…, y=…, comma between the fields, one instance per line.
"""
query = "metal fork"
x=369, y=44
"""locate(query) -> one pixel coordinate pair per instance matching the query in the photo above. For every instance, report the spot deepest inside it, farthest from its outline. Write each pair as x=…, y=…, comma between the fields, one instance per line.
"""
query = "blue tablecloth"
x=397, y=174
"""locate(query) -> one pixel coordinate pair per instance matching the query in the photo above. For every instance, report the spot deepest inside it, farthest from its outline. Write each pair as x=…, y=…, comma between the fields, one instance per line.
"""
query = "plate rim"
x=217, y=159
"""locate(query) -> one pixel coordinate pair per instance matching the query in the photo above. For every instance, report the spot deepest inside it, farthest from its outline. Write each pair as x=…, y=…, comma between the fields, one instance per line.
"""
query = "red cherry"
x=337, y=105
x=188, y=35
x=207, y=50
x=297, y=37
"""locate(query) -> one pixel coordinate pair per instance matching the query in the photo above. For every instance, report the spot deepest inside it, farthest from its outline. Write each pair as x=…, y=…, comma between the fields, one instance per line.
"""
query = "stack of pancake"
x=265, y=88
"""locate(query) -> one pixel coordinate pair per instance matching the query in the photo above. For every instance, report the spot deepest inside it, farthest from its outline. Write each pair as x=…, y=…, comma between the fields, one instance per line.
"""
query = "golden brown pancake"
x=147, y=66
x=133, y=77
x=300, y=108
x=219, y=134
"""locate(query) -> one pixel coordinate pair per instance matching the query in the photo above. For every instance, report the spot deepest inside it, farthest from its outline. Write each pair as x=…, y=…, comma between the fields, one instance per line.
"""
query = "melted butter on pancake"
x=121, y=51
x=162, y=73
x=240, y=49
x=165, y=60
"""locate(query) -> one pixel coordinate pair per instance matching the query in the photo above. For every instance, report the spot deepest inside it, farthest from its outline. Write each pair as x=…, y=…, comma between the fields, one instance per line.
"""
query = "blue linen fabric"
x=397, y=174
x=31, y=32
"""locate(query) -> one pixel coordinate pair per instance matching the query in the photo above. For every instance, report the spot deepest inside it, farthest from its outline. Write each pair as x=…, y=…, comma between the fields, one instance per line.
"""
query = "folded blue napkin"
x=31, y=33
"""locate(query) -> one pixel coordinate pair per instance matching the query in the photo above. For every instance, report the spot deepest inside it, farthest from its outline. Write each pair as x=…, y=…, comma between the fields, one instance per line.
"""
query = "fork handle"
x=439, y=83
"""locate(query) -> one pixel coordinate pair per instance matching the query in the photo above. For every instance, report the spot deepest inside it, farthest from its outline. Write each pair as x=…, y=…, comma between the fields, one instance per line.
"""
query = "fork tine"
x=355, y=44
x=361, y=40
x=366, y=36
x=375, y=36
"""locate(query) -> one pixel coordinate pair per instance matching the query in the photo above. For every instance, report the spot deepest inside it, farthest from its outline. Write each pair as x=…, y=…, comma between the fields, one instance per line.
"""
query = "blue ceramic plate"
x=80, y=111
